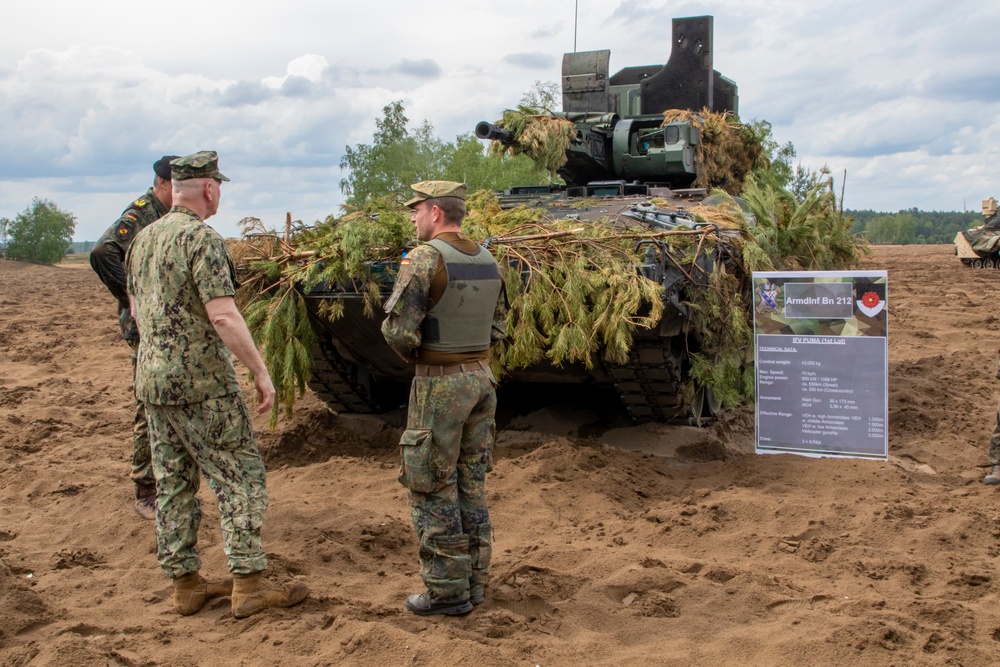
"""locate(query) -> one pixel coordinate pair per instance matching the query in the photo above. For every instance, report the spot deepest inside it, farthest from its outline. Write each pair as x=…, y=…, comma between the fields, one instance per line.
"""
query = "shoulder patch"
x=130, y=216
x=139, y=202
x=123, y=231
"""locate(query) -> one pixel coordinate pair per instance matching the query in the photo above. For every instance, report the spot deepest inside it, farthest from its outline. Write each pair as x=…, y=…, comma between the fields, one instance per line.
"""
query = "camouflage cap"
x=203, y=164
x=434, y=189
x=162, y=166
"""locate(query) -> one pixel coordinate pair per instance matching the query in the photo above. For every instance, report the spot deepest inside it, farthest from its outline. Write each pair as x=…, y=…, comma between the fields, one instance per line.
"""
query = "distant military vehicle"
x=623, y=154
x=979, y=247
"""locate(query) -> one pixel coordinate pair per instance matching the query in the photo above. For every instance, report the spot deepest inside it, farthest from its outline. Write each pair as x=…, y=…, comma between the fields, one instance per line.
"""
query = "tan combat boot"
x=145, y=502
x=254, y=592
x=192, y=591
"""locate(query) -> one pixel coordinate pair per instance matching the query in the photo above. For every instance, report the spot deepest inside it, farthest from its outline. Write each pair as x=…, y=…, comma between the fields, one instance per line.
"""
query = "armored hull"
x=354, y=370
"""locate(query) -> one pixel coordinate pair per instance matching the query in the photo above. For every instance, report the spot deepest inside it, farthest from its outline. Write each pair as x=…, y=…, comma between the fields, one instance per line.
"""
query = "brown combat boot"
x=145, y=502
x=254, y=592
x=192, y=591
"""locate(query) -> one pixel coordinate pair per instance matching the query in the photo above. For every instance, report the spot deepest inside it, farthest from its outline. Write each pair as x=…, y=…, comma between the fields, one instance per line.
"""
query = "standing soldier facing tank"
x=447, y=308
x=181, y=282
x=107, y=257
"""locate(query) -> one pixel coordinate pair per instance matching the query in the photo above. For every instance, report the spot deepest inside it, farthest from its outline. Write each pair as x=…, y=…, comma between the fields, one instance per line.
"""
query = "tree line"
x=912, y=225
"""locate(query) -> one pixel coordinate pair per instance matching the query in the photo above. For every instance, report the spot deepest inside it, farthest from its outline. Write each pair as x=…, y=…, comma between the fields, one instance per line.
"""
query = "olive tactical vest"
x=461, y=321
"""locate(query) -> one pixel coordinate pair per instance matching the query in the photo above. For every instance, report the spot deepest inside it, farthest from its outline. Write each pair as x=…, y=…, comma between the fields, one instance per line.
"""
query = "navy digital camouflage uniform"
x=198, y=421
x=447, y=447
x=107, y=258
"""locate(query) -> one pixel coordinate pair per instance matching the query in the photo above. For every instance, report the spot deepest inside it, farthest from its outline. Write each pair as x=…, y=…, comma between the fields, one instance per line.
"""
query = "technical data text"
x=822, y=395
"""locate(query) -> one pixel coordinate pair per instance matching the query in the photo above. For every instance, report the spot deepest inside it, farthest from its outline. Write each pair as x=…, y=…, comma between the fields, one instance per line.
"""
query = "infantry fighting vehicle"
x=980, y=247
x=621, y=155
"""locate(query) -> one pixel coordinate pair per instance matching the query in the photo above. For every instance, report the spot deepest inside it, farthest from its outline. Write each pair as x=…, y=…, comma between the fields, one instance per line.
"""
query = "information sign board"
x=821, y=360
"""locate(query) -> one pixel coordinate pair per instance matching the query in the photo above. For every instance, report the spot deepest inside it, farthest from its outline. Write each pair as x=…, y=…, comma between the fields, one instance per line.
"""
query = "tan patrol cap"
x=434, y=189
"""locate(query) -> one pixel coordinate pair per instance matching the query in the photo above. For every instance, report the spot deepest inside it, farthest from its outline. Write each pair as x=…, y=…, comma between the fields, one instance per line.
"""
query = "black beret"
x=162, y=166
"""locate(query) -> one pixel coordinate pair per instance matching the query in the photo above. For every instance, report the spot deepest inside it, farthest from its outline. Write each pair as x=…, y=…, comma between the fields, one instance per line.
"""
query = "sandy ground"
x=615, y=544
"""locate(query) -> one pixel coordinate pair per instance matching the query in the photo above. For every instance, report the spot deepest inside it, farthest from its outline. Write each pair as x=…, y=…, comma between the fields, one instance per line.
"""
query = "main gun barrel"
x=485, y=130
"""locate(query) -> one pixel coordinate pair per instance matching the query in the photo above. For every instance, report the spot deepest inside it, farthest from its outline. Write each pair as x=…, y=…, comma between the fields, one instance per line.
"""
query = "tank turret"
x=619, y=132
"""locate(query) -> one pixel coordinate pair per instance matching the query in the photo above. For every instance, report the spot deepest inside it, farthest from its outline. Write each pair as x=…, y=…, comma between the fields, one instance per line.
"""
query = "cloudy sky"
x=903, y=96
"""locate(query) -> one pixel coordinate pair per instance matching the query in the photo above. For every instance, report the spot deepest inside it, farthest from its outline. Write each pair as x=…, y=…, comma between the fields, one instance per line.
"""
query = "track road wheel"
x=977, y=263
x=988, y=263
x=697, y=407
x=713, y=406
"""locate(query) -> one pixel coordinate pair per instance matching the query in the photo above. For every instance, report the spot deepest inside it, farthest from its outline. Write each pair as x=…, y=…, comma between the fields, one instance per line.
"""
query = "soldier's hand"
x=265, y=393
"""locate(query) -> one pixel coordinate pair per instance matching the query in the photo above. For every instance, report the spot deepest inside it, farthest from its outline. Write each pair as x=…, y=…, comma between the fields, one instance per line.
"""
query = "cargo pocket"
x=416, y=472
x=229, y=424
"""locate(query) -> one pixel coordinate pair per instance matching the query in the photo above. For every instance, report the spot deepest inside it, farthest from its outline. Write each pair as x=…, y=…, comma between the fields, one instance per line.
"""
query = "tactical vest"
x=461, y=321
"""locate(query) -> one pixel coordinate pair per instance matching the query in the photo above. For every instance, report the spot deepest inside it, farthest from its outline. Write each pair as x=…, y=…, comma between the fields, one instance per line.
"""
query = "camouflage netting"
x=983, y=240
x=727, y=151
x=574, y=290
x=541, y=137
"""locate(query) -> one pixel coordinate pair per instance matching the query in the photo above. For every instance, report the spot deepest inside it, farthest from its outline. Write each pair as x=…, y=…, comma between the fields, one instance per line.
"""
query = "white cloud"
x=309, y=67
x=904, y=98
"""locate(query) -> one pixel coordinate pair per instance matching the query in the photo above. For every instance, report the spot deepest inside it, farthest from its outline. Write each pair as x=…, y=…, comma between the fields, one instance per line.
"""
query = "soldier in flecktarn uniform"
x=447, y=308
x=107, y=257
x=181, y=282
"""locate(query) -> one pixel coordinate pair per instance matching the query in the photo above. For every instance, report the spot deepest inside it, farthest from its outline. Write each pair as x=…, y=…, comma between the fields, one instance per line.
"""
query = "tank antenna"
x=576, y=16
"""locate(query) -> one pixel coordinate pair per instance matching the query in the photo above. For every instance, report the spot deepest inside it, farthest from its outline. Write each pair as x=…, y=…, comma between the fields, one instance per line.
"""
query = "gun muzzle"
x=485, y=130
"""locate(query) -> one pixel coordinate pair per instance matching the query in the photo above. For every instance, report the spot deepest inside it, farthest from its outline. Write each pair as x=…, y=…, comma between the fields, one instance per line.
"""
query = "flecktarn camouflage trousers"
x=995, y=443
x=214, y=438
x=447, y=449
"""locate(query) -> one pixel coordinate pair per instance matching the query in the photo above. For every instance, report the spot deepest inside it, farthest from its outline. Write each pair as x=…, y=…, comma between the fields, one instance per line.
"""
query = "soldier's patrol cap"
x=162, y=166
x=203, y=164
x=433, y=189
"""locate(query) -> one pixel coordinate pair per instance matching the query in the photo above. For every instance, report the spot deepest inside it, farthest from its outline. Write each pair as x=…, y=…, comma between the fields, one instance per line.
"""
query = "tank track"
x=651, y=384
x=338, y=382
x=983, y=262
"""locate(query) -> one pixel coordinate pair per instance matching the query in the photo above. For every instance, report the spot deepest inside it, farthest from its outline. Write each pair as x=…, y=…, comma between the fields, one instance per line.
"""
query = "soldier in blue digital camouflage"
x=181, y=282
x=447, y=308
x=107, y=257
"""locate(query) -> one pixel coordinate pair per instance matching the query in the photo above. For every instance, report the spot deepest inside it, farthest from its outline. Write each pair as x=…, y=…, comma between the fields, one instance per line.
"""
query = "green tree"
x=398, y=157
x=543, y=96
x=474, y=164
x=774, y=166
x=40, y=233
x=390, y=162
x=896, y=228
x=4, y=222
